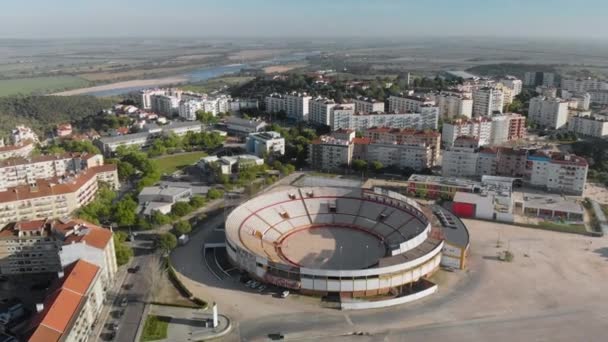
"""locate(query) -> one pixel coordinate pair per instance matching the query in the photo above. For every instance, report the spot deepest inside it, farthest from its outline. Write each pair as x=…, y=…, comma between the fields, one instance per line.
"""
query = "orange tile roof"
x=62, y=307
x=49, y=187
x=30, y=225
x=16, y=147
x=362, y=141
x=97, y=237
x=45, y=158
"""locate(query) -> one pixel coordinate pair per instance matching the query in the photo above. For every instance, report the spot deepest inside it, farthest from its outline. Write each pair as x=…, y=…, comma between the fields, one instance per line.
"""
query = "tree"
x=181, y=209
x=206, y=117
x=122, y=250
x=159, y=218
x=167, y=242
x=125, y=213
x=197, y=201
x=359, y=165
x=377, y=166
x=182, y=227
x=214, y=194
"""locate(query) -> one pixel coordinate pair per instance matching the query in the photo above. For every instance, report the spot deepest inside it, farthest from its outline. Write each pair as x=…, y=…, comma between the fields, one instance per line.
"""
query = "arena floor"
x=332, y=248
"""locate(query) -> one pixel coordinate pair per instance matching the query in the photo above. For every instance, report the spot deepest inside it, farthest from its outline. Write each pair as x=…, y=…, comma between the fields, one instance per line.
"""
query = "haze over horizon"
x=313, y=18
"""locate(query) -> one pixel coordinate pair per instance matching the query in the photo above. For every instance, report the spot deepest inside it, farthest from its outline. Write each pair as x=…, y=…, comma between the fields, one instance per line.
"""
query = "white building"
x=565, y=174
x=579, y=101
x=270, y=143
x=453, y=104
x=548, y=112
x=512, y=83
x=599, y=96
x=297, y=106
x=320, y=111
x=583, y=85
x=414, y=156
x=161, y=198
x=228, y=165
x=487, y=101
x=331, y=153
x=167, y=105
x=408, y=104
x=461, y=159
x=188, y=109
x=22, y=150
x=244, y=126
x=427, y=118
x=480, y=128
x=593, y=126
x=366, y=105
x=22, y=134
x=275, y=103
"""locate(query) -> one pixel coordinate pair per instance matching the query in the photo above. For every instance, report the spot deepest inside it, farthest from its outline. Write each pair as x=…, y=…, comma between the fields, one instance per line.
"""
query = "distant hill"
x=514, y=69
x=42, y=113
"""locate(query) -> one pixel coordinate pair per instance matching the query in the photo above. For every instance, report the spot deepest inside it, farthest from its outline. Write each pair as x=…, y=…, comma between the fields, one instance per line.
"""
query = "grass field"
x=172, y=163
x=41, y=85
x=216, y=83
x=154, y=329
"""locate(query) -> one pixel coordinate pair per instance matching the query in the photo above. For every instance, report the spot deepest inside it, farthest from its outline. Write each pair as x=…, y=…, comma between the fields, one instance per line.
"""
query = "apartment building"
x=408, y=104
x=561, y=173
x=432, y=139
x=507, y=127
x=275, y=103
x=580, y=101
x=512, y=83
x=70, y=311
x=427, y=118
x=480, y=128
x=452, y=104
x=265, y=143
x=48, y=245
x=599, y=96
x=21, y=171
x=298, y=106
x=548, y=112
x=592, y=126
x=366, y=105
x=487, y=101
x=55, y=197
x=533, y=79
x=167, y=105
x=331, y=153
x=583, y=85
x=22, y=150
x=215, y=105
x=460, y=160
x=321, y=110
x=21, y=134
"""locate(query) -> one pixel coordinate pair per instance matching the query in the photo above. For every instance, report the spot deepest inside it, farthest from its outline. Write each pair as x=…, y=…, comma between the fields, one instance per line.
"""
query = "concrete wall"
x=388, y=302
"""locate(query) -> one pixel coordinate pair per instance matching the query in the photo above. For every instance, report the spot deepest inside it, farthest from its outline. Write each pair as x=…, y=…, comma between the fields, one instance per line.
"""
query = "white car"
x=285, y=294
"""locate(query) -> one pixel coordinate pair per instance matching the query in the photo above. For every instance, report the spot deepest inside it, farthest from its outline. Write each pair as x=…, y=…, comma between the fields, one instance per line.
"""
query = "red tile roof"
x=62, y=307
x=362, y=141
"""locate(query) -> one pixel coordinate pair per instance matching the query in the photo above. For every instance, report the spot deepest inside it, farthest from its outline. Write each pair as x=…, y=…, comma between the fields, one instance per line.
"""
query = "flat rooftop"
x=551, y=202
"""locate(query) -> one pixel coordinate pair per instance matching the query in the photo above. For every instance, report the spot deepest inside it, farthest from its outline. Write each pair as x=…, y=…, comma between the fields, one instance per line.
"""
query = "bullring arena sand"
x=332, y=248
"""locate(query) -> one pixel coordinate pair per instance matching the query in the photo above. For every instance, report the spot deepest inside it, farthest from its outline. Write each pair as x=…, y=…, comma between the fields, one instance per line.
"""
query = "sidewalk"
x=112, y=294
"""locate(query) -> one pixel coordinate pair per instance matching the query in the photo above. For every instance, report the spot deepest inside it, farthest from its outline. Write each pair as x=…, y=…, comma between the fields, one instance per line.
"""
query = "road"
x=147, y=259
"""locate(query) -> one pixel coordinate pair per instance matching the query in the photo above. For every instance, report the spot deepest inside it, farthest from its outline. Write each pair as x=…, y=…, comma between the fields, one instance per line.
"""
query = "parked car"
x=285, y=294
x=124, y=301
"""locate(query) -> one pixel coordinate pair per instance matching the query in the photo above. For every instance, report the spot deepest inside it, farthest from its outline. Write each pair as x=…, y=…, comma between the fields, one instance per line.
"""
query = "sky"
x=303, y=18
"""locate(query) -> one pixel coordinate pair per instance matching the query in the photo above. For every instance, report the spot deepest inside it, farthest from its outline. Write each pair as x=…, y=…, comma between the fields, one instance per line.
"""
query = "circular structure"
x=335, y=241
x=332, y=247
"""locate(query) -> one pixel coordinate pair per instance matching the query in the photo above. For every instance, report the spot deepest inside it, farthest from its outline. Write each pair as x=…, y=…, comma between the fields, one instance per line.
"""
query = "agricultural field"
x=216, y=83
x=40, y=85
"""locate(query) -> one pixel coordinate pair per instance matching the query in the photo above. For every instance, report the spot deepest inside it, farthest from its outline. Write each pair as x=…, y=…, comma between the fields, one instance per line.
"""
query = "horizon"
x=112, y=19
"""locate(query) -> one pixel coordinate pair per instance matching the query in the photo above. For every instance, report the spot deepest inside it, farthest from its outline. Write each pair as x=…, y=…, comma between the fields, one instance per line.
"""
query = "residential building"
x=55, y=197
x=366, y=105
x=599, y=96
x=70, y=311
x=580, y=101
x=21, y=171
x=507, y=127
x=237, y=105
x=512, y=83
x=146, y=97
x=228, y=165
x=583, y=85
x=109, y=145
x=244, y=126
x=432, y=139
x=265, y=143
x=167, y=105
x=161, y=198
x=533, y=79
x=480, y=128
x=297, y=106
x=427, y=118
x=408, y=104
x=487, y=101
x=21, y=134
x=562, y=173
x=592, y=126
x=460, y=160
x=453, y=105
x=548, y=112
x=21, y=150
x=330, y=152
x=63, y=130
x=187, y=109
x=321, y=110
x=275, y=103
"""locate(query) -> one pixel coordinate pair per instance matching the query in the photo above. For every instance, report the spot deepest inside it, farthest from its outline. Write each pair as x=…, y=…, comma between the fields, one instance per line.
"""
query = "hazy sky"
x=305, y=18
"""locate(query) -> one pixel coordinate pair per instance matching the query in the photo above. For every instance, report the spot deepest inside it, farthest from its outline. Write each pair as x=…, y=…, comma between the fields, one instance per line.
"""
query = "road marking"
x=348, y=320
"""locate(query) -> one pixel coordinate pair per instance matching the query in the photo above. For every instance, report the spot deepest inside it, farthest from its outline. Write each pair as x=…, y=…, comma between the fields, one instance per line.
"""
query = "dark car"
x=134, y=269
